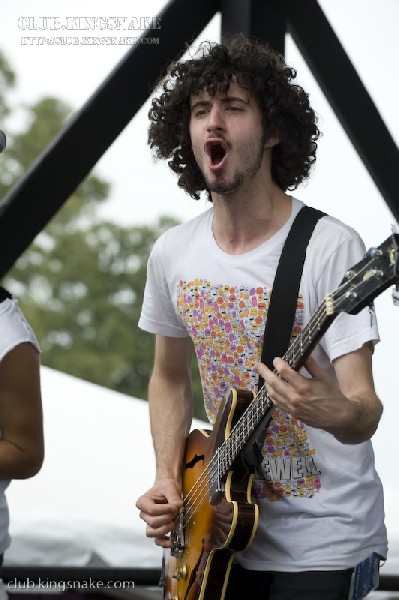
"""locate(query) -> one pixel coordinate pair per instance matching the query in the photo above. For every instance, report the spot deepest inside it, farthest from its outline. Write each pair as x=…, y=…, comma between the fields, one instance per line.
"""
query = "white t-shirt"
x=321, y=502
x=14, y=330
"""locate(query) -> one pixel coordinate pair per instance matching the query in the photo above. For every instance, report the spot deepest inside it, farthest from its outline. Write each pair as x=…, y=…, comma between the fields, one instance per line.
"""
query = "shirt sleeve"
x=158, y=314
x=14, y=327
x=348, y=332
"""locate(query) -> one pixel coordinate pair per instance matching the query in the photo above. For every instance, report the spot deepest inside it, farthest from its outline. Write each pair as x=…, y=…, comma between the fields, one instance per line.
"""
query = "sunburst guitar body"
x=218, y=518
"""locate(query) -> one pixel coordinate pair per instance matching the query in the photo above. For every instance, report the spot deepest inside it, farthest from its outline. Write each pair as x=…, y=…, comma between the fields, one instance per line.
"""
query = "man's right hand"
x=159, y=507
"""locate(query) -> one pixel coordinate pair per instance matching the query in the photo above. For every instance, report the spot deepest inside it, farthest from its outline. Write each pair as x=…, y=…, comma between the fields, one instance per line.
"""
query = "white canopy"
x=80, y=509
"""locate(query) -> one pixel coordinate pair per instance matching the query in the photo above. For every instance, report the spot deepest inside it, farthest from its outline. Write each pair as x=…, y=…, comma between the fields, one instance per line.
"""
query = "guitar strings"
x=200, y=490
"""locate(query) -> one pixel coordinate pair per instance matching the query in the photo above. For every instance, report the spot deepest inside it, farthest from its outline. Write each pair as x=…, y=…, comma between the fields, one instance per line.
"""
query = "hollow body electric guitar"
x=219, y=516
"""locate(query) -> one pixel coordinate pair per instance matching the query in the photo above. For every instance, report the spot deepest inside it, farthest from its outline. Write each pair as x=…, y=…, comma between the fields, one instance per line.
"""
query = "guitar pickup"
x=216, y=491
x=177, y=536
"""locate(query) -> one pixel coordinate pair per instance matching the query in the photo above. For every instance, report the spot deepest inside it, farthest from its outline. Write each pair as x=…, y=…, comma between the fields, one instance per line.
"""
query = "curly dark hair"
x=285, y=108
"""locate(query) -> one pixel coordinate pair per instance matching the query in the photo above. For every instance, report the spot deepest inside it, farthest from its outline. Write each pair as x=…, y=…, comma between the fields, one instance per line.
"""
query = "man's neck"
x=241, y=224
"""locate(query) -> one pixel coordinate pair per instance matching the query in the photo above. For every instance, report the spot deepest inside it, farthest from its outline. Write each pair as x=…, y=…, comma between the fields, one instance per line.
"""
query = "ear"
x=272, y=141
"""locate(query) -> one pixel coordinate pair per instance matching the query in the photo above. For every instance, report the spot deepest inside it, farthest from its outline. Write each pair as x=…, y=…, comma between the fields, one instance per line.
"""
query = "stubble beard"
x=226, y=188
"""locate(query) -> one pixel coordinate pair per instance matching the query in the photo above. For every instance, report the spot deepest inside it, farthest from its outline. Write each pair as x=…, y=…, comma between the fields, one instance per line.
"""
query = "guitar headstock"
x=368, y=278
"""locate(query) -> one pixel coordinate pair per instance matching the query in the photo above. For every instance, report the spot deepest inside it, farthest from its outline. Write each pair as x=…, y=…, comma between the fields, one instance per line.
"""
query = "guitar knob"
x=181, y=572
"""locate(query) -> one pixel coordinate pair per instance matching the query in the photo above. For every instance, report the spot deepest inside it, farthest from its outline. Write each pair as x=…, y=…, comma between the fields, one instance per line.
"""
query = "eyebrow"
x=225, y=100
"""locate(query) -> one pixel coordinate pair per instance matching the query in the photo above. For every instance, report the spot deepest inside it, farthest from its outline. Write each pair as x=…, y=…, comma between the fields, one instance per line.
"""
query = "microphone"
x=3, y=141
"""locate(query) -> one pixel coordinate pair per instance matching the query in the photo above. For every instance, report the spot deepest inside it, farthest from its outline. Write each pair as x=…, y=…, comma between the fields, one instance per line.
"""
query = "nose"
x=215, y=119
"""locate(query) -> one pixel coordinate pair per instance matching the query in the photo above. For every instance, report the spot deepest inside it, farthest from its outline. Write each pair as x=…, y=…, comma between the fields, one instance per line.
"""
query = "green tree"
x=81, y=289
x=7, y=81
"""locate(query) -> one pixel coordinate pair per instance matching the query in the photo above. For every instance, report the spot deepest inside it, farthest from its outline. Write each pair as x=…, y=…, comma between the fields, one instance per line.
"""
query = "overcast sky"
x=142, y=190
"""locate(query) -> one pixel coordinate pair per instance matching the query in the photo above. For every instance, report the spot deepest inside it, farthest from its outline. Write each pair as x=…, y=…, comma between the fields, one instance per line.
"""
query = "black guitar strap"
x=284, y=299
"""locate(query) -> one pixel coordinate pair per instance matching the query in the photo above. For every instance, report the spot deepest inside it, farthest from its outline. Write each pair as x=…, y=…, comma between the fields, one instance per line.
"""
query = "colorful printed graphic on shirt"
x=226, y=325
x=288, y=465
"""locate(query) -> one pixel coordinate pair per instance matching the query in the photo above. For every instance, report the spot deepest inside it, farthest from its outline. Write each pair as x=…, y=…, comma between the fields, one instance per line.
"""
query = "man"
x=233, y=123
x=21, y=424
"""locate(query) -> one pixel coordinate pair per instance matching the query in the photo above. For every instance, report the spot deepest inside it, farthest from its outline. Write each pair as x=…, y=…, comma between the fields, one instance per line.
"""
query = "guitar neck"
x=302, y=346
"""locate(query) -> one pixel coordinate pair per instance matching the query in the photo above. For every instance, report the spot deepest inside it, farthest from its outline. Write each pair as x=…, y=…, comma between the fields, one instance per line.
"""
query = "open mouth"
x=216, y=150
